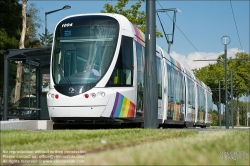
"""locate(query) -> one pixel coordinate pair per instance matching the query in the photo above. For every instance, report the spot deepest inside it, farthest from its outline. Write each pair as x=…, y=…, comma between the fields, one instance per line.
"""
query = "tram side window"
x=139, y=67
x=123, y=72
x=191, y=95
x=201, y=99
x=182, y=89
x=175, y=86
x=209, y=102
x=170, y=83
x=178, y=86
x=159, y=80
x=140, y=62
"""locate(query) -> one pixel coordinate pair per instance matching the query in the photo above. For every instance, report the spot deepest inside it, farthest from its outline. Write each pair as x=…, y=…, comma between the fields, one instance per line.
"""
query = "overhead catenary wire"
x=182, y=32
x=171, y=34
x=235, y=24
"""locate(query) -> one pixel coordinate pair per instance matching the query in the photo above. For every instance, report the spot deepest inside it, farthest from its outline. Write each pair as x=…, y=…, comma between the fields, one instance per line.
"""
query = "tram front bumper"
x=95, y=111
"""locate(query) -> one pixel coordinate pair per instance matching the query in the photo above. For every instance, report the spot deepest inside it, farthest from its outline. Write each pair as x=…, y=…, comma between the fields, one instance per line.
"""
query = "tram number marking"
x=71, y=90
x=67, y=25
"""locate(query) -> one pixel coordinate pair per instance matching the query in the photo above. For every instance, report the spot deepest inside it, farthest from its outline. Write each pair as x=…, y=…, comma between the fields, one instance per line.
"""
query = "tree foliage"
x=215, y=118
x=11, y=27
x=49, y=39
x=10, y=24
x=241, y=76
x=240, y=109
x=34, y=22
x=133, y=14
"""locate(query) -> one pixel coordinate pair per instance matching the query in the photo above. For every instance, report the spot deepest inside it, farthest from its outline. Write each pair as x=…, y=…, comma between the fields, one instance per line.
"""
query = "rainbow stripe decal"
x=177, y=110
x=123, y=107
x=175, y=64
x=140, y=36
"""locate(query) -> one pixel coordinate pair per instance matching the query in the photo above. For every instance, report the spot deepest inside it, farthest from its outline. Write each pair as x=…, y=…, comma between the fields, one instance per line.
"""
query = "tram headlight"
x=102, y=94
x=52, y=95
x=93, y=95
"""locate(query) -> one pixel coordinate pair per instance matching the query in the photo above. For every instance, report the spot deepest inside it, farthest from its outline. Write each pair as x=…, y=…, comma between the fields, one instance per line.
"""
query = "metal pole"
x=242, y=116
x=232, y=98
x=226, y=106
x=53, y=11
x=219, y=105
x=223, y=110
x=29, y=82
x=150, y=94
x=248, y=106
x=38, y=91
x=225, y=41
x=6, y=86
x=45, y=40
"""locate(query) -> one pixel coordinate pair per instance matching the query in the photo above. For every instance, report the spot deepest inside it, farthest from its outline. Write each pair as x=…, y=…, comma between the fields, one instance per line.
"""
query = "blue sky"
x=203, y=23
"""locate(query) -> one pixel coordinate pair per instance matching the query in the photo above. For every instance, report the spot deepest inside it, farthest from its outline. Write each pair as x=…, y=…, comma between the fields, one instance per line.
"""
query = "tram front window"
x=82, y=53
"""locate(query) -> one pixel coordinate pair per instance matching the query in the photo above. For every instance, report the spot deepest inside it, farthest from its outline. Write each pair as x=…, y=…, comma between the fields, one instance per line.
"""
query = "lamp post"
x=53, y=11
x=232, y=97
x=225, y=40
x=219, y=109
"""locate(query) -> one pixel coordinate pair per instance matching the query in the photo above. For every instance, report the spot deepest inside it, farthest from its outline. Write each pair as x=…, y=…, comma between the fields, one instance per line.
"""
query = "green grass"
x=82, y=139
x=134, y=146
x=206, y=148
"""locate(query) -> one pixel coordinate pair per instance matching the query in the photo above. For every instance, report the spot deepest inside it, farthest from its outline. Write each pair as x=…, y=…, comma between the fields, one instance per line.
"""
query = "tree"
x=241, y=77
x=215, y=118
x=10, y=26
x=49, y=39
x=21, y=46
x=240, y=112
x=211, y=75
x=33, y=22
x=23, y=33
x=133, y=14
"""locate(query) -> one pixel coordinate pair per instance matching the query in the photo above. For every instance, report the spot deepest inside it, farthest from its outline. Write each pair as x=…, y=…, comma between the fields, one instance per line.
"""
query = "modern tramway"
x=97, y=70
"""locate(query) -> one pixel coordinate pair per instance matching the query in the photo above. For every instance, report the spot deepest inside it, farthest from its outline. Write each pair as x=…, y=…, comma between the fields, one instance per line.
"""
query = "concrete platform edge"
x=26, y=125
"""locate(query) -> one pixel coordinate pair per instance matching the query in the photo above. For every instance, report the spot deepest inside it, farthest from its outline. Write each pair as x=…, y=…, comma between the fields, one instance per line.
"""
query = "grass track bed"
x=83, y=139
x=206, y=148
x=135, y=146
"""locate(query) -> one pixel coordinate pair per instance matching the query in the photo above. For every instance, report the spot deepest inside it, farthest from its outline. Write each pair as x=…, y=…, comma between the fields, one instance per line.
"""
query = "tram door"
x=140, y=70
x=44, y=88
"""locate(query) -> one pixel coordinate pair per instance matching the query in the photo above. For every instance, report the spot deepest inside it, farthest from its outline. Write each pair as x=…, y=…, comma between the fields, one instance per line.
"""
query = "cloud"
x=188, y=60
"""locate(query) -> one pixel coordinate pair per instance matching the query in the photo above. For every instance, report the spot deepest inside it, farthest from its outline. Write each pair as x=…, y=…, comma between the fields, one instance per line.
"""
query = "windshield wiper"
x=64, y=74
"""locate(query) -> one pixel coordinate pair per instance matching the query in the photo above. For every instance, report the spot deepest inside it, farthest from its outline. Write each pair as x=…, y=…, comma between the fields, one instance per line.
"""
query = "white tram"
x=97, y=70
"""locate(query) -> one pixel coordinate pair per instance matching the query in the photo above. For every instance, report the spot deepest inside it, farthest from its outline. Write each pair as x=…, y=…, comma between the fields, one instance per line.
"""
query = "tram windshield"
x=83, y=49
